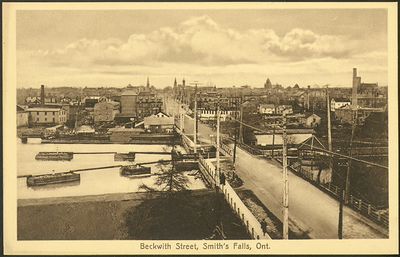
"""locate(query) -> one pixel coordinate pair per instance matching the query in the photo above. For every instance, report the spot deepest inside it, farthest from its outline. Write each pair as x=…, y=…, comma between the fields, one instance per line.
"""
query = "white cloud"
x=201, y=40
x=201, y=48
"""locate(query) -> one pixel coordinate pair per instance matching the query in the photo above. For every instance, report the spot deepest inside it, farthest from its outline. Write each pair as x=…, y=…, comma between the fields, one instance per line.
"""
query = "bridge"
x=311, y=209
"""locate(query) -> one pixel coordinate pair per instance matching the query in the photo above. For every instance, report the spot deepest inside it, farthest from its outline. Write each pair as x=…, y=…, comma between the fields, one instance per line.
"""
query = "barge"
x=54, y=156
x=133, y=170
x=56, y=178
x=124, y=156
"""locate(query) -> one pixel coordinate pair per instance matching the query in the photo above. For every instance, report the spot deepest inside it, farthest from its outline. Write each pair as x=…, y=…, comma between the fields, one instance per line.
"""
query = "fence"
x=361, y=206
x=357, y=204
x=245, y=215
x=368, y=210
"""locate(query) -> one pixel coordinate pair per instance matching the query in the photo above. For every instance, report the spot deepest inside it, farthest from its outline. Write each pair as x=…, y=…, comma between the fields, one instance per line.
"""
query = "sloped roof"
x=312, y=115
x=312, y=141
x=154, y=120
x=292, y=139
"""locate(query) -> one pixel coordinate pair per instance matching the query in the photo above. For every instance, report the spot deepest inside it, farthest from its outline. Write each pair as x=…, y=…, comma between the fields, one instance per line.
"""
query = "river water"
x=92, y=182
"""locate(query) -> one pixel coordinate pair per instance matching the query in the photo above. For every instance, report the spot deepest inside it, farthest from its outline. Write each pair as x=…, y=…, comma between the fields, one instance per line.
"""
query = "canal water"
x=92, y=182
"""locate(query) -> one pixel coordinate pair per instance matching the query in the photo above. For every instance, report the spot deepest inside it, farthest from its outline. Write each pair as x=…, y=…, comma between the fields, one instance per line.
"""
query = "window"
x=37, y=119
x=45, y=119
x=54, y=113
x=37, y=113
x=54, y=119
x=45, y=113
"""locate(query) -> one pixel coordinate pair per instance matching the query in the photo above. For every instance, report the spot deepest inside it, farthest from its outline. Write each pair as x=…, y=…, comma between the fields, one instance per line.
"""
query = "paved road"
x=310, y=210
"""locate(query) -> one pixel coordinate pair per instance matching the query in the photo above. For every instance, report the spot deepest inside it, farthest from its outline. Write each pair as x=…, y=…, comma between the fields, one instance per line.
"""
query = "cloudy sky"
x=222, y=47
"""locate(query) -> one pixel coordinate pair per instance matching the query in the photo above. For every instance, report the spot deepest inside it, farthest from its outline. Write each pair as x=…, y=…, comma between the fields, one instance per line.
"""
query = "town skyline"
x=224, y=47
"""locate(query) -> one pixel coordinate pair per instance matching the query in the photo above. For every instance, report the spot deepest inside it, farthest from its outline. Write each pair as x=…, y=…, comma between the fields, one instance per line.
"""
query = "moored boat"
x=54, y=156
x=56, y=178
x=132, y=170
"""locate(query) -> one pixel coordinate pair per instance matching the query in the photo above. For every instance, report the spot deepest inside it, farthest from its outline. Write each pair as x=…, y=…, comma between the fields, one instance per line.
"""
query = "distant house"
x=47, y=115
x=346, y=114
x=91, y=101
x=339, y=103
x=105, y=111
x=284, y=109
x=53, y=130
x=311, y=120
x=22, y=117
x=37, y=100
x=266, y=109
x=210, y=114
x=159, y=122
x=297, y=96
x=85, y=130
x=65, y=100
x=33, y=100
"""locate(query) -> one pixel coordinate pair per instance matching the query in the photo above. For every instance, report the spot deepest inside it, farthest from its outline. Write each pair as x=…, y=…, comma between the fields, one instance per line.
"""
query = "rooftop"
x=44, y=109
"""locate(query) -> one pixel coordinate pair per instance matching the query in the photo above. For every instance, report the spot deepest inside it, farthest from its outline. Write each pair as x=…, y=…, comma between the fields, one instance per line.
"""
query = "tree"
x=170, y=180
x=169, y=214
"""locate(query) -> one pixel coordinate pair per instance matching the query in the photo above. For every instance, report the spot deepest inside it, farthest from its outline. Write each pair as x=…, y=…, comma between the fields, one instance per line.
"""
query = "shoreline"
x=98, y=198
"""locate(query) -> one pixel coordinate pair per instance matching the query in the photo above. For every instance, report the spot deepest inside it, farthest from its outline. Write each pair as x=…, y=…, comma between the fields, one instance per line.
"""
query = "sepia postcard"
x=200, y=128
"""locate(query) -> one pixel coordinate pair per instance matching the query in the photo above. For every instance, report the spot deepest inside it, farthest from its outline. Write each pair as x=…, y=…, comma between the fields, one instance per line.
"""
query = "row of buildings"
x=133, y=104
x=276, y=100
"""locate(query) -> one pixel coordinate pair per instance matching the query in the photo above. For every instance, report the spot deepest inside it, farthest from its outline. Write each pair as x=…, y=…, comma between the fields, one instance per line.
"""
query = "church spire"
x=148, y=82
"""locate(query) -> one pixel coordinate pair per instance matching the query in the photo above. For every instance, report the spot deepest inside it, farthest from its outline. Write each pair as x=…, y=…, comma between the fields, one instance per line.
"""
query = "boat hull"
x=127, y=171
x=50, y=179
x=54, y=156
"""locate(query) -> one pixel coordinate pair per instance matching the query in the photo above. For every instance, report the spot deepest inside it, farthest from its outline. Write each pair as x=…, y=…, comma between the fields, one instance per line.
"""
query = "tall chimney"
x=42, y=101
x=308, y=97
x=356, y=84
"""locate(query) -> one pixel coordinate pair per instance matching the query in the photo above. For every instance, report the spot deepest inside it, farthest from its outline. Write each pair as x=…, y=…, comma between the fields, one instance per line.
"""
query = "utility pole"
x=241, y=123
x=353, y=127
x=217, y=153
x=236, y=131
x=273, y=138
x=328, y=108
x=342, y=184
x=195, y=120
x=285, y=183
x=340, y=225
x=181, y=119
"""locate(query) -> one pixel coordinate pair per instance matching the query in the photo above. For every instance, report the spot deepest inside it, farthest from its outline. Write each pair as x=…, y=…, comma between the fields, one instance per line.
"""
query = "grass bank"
x=141, y=216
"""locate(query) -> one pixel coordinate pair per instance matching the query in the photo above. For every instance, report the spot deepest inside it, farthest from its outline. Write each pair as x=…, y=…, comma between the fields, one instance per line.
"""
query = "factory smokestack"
x=42, y=101
x=356, y=85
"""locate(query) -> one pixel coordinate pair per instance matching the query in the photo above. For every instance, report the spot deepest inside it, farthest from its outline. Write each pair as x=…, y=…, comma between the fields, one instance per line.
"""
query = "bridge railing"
x=253, y=226
x=367, y=209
